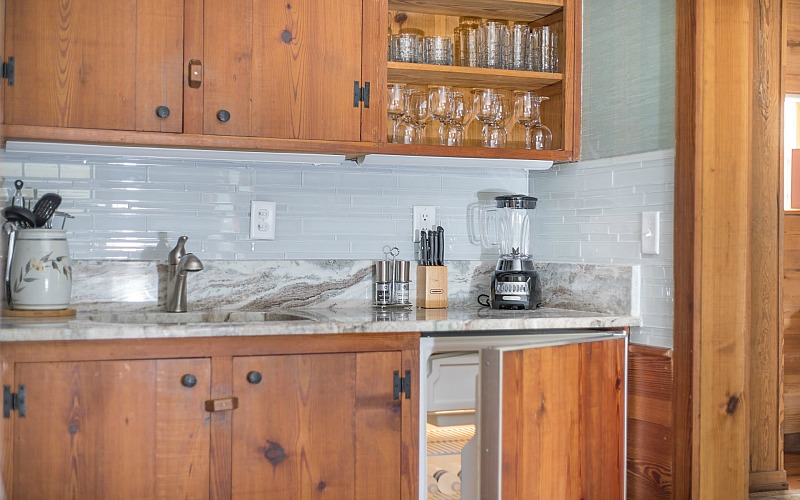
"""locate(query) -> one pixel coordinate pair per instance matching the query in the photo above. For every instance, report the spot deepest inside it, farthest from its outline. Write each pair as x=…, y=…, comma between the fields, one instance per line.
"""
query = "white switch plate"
x=262, y=220
x=424, y=219
x=651, y=237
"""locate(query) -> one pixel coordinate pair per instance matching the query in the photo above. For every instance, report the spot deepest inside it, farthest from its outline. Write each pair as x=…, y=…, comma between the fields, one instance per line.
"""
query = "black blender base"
x=516, y=290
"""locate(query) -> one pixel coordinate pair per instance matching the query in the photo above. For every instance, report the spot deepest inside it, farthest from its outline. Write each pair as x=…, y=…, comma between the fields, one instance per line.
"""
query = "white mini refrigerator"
x=530, y=414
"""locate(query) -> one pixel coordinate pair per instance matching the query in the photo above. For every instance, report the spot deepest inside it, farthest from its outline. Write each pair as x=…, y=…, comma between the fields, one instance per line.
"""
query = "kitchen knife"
x=432, y=248
x=423, y=247
x=440, y=246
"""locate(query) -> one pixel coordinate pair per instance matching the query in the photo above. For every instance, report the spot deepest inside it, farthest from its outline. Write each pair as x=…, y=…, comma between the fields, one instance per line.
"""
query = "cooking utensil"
x=23, y=217
x=45, y=208
x=64, y=216
x=18, y=200
x=11, y=229
x=433, y=248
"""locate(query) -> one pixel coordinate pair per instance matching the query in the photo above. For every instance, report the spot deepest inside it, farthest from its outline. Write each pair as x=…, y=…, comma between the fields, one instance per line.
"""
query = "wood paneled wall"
x=791, y=321
x=649, y=423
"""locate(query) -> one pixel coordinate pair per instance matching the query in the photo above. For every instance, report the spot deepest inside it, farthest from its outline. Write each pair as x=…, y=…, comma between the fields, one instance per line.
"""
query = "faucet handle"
x=179, y=251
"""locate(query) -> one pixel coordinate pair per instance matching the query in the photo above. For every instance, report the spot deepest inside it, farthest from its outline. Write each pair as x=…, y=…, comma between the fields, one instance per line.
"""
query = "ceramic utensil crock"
x=41, y=270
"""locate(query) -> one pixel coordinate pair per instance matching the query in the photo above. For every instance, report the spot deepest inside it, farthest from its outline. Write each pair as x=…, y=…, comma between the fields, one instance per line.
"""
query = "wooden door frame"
x=728, y=208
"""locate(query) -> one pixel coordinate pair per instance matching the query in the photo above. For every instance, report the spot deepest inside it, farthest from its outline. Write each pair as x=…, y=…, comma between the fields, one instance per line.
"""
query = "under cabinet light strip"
x=446, y=161
x=27, y=147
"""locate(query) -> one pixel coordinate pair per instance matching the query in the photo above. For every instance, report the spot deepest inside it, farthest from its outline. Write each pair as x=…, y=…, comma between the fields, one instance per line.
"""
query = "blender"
x=515, y=283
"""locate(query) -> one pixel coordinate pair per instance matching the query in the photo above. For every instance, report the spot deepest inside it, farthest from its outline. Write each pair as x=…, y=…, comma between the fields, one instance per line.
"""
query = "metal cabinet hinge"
x=402, y=384
x=13, y=401
x=8, y=71
x=360, y=94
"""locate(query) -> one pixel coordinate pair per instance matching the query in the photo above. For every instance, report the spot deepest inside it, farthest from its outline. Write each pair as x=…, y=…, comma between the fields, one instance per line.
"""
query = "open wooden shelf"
x=518, y=10
x=462, y=76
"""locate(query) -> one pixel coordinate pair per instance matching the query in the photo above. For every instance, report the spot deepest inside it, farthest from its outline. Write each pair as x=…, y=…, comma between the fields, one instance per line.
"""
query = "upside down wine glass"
x=395, y=106
x=528, y=114
x=492, y=109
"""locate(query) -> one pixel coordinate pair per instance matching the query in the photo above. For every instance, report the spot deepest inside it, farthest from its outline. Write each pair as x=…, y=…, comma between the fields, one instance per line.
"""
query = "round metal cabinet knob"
x=188, y=380
x=254, y=377
x=223, y=115
x=162, y=112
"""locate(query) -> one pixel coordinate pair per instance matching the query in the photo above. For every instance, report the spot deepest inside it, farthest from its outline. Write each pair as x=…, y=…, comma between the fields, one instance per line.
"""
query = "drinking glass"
x=492, y=44
x=459, y=117
x=519, y=36
x=395, y=106
x=439, y=108
x=438, y=50
x=492, y=109
x=405, y=48
x=528, y=114
x=412, y=129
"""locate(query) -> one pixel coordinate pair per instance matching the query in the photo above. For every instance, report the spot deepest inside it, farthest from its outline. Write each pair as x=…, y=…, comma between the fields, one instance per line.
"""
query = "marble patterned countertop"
x=103, y=324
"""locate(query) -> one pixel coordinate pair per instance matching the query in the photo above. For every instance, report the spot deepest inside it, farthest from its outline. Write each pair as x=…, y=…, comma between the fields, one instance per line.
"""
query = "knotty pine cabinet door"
x=284, y=68
x=111, y=64
x=552, y=421
x=112, y=429
x=317, y=425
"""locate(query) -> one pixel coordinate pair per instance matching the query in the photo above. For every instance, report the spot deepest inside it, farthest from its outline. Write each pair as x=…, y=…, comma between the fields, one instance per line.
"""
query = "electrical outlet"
x=650, y=233
x=262, y=220
x=424, y=219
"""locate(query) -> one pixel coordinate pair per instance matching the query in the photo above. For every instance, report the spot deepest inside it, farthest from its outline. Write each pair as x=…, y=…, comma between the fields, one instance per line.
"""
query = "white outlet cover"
x=424, y=218
x=262, y=220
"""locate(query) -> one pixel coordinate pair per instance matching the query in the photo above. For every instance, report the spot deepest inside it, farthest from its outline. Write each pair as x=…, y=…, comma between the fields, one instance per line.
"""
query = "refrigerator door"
x=552, y=419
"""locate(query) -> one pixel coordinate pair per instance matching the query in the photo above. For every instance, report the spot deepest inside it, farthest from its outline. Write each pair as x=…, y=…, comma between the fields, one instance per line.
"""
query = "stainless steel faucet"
x=179, y=264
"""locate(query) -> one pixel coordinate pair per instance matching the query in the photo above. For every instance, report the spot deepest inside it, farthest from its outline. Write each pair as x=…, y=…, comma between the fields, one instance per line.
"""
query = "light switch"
x=650, y=233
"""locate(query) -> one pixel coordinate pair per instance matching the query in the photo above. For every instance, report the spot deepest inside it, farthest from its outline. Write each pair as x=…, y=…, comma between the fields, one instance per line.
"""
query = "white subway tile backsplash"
x=613, y=193
x=44, y=170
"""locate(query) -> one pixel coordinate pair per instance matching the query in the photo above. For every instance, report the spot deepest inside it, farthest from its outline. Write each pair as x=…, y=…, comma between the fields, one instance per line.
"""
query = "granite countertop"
x=107, y=324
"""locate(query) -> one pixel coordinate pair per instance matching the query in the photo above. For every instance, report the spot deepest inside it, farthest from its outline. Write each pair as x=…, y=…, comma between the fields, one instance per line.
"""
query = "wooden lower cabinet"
x=284, y=417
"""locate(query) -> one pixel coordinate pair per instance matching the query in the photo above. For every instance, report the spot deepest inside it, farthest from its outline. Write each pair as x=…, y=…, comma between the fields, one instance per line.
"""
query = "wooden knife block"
x=432, y=287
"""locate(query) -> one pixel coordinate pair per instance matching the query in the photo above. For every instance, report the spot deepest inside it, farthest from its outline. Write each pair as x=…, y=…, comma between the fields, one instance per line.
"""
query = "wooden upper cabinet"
x=282, y=68
x=100, y=65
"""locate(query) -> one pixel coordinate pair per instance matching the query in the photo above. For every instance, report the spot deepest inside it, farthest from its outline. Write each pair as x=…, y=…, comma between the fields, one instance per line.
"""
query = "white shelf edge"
x=453, y=161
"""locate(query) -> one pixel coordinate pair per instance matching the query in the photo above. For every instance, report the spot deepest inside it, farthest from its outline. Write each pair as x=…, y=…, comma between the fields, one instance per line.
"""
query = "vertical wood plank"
x=712, y=247
x=306, y=56
x=221, y=469
x=182, y=443
x=541, y=423
x=649, y=464
x=227, y=65
x=377, y=420
x=7, y=435
x=158, y=64
x=602, y=419
x=766, y=368
x=373, y=69
x=409, y=454
x=3, y=33
x=192, y=50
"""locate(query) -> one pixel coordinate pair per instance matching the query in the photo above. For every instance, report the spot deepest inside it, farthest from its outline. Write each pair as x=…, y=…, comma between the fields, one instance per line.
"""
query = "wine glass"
x=528, y=114
x=459, y=116
x=395, y=106
x=417, y=115
x=492, y=109
x=438, y=105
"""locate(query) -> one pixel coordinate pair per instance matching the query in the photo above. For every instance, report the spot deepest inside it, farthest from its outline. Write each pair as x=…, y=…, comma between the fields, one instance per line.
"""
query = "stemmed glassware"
x=492, y=109
x=439, y=106
x=417, y=115
x=395, y=106
x=459, y=116
x=528, y=114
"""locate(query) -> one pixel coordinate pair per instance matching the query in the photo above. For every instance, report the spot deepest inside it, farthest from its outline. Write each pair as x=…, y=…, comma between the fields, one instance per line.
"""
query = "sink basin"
x=192, y=317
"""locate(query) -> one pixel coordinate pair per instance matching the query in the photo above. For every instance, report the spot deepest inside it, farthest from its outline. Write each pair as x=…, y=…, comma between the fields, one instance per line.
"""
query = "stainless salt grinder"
x=383, y=283
x=402, y=273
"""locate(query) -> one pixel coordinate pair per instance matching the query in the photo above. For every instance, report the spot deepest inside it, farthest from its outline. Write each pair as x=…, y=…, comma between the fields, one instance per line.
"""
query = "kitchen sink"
x=162, y=317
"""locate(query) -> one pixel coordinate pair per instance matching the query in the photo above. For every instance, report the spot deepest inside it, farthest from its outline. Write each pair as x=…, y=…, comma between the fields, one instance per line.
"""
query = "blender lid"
x=518, y=201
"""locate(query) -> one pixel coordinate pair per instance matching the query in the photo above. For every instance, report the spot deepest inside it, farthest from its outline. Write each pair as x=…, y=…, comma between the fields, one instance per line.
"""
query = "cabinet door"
x=552, y=421
x=282, y=68
x=112, y=429
x=317, y=425
x=90, y=64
